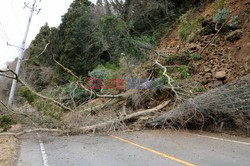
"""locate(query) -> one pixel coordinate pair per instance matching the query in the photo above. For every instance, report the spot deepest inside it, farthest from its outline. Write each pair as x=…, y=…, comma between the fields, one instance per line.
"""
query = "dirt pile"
x=217, y=66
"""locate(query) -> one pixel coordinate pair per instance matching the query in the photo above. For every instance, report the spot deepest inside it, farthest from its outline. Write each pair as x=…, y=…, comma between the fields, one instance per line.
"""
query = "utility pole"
x=33, y=9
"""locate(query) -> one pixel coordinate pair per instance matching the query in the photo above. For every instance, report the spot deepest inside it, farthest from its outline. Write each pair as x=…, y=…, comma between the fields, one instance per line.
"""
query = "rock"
x=220, y=74
x=234, y=36
x=208, y=76
x=193, y=46
x=207, y=70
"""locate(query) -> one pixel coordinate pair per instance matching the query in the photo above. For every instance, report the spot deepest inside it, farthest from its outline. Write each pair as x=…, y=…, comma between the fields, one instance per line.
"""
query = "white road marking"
x=43, y=152
x=221, y=139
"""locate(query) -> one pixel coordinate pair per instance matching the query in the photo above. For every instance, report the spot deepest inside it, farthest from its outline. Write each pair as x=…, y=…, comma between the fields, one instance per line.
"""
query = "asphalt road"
x=156, y=148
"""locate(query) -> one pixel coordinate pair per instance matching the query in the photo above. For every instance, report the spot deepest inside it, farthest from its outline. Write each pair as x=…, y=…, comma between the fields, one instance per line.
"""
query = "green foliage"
x=234, y=22
x=184, y=71
x=221, y=15
x=27, y=94
x=90, y=43
x=70, y=93
x=50, y=114
x=106, y=71
x=41, y=49
x=208, y=27
x=188, y=27
x=114, y=38
x=150, y=20
x=6, y=121
x=48, y=109
x=78, y=49
x=149, y=39
x=99, y=73
x=195, y=56
x=110, y=66
x=183, y=58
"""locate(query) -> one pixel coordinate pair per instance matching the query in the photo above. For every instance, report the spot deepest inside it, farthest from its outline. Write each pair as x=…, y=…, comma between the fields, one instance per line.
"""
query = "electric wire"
x=6, y=39
x=15, y=13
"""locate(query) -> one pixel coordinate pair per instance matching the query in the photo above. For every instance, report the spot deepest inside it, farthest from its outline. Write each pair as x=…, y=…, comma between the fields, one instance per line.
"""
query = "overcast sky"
x=13, y=19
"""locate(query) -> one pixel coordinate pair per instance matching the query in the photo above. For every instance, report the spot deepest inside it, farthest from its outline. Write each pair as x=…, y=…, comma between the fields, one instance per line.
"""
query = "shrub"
x=183, y=58
x=208, y=27
x=49, y=110
x=70, y=94
x=99, y=73
x=188, y=27
x=111, y=66
x=184, y=71
x=27, y=94
x=234, y=22
x=221, y=15
x=6, y=121
x=195, y=56
x=147, y=39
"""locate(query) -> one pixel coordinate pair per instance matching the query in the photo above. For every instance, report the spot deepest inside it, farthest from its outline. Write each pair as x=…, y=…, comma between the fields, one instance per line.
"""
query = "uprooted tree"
x=227, y=106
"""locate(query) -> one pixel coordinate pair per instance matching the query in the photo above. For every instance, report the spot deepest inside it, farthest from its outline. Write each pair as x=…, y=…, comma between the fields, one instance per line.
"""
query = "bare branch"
x=170, y=80
x=33, y=91
x=87, y=129
x=45, y=48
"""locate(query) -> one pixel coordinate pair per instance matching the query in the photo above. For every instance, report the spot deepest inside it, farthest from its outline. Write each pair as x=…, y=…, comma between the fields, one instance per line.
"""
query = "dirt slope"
x=231, y=59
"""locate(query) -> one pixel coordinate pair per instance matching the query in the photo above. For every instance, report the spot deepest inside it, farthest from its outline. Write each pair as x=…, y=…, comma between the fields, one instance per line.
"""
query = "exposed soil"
x=229, y=59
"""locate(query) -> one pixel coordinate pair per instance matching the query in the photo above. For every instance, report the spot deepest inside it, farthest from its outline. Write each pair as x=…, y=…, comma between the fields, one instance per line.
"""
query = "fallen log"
x=134, y=115
x=92, y=128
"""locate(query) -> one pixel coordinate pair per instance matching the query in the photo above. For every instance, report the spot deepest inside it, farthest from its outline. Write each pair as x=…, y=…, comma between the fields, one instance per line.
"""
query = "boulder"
x=193, y=46
x=220, y=75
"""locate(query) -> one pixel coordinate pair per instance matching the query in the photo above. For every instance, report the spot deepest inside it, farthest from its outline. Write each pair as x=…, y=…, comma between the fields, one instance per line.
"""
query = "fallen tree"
x=228, y=105
x=93, y=128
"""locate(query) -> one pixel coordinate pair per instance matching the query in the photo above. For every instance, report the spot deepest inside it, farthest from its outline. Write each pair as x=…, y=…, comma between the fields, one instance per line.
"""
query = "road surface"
x=156, y=148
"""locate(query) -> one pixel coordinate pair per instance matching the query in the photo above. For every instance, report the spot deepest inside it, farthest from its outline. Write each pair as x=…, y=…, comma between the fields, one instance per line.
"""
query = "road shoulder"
x=9, y=147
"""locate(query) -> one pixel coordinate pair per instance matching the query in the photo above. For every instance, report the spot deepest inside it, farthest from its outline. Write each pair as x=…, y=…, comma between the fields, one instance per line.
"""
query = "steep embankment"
x=227, y=57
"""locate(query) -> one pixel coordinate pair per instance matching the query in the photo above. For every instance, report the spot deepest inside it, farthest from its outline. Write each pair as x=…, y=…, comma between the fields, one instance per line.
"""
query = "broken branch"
x=93, y=127
x=33, y=91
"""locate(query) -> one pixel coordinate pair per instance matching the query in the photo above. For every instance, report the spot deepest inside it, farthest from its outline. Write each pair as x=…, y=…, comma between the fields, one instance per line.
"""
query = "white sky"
x=13, y=18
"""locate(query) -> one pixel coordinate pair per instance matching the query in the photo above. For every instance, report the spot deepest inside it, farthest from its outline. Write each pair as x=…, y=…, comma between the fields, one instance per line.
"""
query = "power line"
x=6, y=38
x=4, y=32
x=18, y=23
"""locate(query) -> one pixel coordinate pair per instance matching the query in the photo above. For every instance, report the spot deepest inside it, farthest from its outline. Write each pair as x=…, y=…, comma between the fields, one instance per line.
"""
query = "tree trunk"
x=126, y=10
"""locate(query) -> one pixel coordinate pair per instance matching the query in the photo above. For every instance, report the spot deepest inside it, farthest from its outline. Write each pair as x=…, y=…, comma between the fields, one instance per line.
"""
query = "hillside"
x=119, y=66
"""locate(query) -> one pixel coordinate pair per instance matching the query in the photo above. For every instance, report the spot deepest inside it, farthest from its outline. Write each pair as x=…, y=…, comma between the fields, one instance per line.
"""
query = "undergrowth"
x=6, y=121
x=188, y=28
